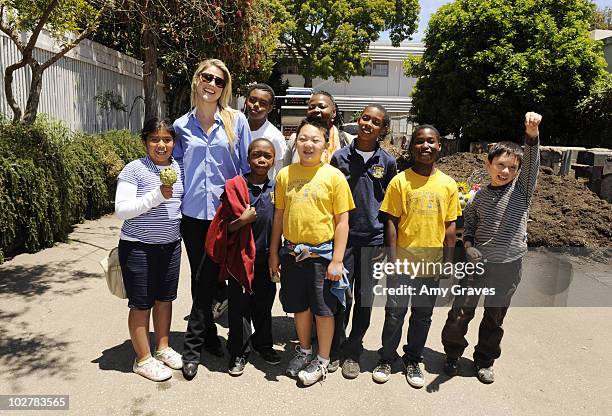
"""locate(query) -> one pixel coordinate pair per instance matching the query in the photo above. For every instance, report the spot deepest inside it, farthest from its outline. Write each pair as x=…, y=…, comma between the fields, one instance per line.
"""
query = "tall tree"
x=175, y=35
x=486, y=62
x=327, y=38
x=68, y=22
x=602, y=18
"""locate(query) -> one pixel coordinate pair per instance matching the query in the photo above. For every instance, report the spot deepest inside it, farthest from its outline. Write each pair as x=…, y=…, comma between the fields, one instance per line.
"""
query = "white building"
x=385, y=83
x=606, y=37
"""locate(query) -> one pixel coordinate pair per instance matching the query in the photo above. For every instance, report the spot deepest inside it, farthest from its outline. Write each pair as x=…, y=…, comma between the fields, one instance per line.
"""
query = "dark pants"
x=358, y=261
x=421, y=309
x=193, y=232
x=505, y=278
x=201, y=327
x=244, y=307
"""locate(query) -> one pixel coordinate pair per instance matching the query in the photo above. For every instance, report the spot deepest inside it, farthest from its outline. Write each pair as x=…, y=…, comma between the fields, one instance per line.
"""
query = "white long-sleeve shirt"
x=148, y=216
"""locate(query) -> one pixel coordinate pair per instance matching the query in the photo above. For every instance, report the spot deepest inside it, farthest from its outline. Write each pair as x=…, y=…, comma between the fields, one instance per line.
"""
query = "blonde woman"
x=212, y=147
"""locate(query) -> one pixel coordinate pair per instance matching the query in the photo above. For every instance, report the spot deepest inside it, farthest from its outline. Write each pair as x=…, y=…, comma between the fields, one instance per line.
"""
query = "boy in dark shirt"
x=244, y=307
x=368, y=169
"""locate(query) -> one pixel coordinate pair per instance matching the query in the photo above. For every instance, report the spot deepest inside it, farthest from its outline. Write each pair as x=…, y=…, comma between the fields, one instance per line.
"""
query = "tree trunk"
x=34, y=97
x=179, y=101
x=8, y=89
x=149, y=72
x=307, y=82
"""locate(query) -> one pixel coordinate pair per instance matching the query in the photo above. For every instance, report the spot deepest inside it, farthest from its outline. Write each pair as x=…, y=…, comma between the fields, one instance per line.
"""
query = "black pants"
x=421, y=310
x=256, y=307
x=193, y=232
x=505, y=278
x=358, y=261
x=201, y=327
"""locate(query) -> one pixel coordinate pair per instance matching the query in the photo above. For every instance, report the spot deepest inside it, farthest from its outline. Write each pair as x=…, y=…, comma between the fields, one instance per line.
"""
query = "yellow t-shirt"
x=422, y=204
x=311, y=196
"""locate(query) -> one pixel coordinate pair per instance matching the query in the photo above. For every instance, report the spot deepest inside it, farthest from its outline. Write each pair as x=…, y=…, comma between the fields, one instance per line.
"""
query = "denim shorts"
x=150, y=272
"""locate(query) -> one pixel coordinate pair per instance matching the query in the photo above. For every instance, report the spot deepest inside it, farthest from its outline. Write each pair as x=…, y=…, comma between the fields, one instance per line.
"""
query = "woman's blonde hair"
x=228, y=114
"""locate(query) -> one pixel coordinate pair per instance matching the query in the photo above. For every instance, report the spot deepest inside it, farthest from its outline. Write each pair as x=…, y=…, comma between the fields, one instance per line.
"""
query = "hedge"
x=51, y=179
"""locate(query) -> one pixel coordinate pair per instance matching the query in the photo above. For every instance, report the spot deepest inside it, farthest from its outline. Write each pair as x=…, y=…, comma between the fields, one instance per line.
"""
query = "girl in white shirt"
x=150, y=247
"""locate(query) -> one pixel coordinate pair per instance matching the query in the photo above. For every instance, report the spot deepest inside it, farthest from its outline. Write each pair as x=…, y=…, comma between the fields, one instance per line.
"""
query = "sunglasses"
x=208, y=78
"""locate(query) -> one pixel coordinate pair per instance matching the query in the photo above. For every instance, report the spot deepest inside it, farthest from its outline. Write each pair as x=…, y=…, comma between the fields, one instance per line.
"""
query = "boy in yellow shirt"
x=312, y=201
x=422, y=205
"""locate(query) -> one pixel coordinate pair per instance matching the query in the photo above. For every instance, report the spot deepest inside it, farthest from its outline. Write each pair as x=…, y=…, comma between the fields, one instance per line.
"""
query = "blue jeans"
x=396, y=308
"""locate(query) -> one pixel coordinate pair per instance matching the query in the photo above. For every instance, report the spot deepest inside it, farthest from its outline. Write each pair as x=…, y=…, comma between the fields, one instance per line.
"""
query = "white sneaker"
x=314, y=372
x=152, y=369
x=170, y=357
x=382, y=372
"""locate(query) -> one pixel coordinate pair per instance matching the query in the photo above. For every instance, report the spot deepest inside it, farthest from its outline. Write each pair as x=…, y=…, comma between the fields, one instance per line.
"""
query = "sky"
x=430, y=6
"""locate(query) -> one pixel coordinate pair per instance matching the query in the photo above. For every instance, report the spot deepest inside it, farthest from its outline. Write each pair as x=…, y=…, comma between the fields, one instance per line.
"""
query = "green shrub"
x=51, y=179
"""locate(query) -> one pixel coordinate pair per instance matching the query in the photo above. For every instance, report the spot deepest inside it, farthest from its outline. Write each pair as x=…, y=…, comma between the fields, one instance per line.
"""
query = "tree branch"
x=67, y=47
x=36, y=32
x=10, y=32
x=8, y=88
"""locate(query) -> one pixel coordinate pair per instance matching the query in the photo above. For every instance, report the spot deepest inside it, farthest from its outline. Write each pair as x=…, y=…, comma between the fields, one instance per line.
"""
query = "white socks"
x=307, y=352
x=324, y=361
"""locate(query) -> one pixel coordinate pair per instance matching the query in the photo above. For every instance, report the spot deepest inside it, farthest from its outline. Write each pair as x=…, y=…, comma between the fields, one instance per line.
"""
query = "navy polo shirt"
x=368, y=182
x=262, y=199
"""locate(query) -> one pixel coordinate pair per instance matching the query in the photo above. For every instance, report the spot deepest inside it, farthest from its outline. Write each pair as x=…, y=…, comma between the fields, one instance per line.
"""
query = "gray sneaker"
x=298, y=362
x=314, y=372
x=333, y=366
x=350, y=369
x=414, y=375
x=485, y=374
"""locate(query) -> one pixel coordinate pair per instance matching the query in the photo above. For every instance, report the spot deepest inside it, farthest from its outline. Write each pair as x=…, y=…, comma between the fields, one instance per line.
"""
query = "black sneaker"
x=414, y=375
x=236, y=365
x=485, y=374
x=269, y=355
x=451, y=368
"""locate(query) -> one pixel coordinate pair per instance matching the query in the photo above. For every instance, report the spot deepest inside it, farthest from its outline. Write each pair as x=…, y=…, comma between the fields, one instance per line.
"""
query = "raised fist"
x=532, y=121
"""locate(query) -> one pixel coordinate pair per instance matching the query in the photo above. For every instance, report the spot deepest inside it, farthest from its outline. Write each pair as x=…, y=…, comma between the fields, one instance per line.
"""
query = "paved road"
x=61, y=332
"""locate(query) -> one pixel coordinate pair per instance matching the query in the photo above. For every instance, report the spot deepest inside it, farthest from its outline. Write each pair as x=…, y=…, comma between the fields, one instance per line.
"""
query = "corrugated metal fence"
x=71, y=85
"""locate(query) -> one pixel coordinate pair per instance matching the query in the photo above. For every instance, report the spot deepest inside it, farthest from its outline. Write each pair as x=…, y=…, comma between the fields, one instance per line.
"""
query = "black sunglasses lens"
x=219, y=82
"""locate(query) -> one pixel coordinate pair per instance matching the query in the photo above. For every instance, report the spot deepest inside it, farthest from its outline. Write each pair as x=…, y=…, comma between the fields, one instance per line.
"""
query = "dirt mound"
x=564, y=212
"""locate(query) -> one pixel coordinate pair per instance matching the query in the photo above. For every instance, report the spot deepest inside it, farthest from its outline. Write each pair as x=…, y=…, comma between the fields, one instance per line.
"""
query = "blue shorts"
x=150, y=272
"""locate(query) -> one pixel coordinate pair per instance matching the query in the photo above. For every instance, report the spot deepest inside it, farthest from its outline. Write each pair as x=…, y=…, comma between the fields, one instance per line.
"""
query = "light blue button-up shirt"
x=207, y=161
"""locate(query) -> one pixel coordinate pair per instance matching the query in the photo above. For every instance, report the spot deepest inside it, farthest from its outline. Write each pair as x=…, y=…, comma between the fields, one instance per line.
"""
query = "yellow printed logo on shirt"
x=424, y=203
x=378, y=171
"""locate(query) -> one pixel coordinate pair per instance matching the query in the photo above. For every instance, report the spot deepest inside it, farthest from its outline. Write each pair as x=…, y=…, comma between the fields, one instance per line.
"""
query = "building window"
x=377, y=69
